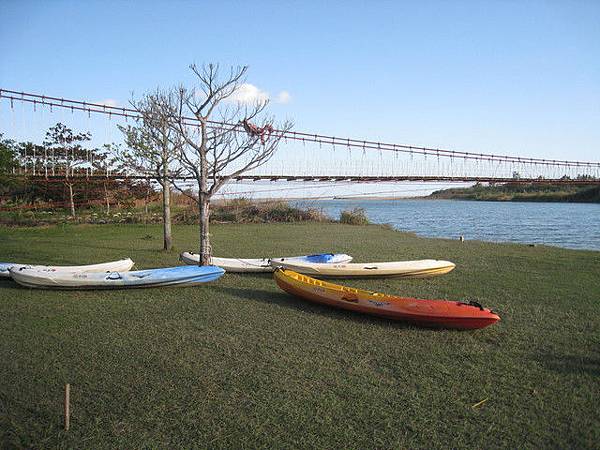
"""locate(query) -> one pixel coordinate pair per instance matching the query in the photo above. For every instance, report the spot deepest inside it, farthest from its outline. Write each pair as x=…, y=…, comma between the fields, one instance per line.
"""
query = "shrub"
x=243, y=210
x=354, y=216
x=221, y=215
x=281, y=211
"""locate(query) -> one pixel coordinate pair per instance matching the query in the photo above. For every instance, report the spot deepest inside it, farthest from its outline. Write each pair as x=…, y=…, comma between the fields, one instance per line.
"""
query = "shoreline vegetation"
x=237, y=210
x=240, y=364
x=517, y=192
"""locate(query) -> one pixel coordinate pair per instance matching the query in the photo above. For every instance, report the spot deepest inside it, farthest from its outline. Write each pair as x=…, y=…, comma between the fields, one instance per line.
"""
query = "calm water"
x=567, y=225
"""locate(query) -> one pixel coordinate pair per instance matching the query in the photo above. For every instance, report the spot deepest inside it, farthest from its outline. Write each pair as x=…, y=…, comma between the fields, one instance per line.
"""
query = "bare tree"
x=152, y=149
x=222, y=138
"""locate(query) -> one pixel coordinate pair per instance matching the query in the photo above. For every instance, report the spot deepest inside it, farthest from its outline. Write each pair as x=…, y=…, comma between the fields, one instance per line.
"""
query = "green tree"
x=8, y=155
x=8, y=163
x=64, y=153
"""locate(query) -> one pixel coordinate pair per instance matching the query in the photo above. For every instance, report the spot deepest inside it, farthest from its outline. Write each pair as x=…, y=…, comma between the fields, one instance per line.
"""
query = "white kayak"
x=264, y=264
x=123, y=265
x=170, y=276
x=408, y=269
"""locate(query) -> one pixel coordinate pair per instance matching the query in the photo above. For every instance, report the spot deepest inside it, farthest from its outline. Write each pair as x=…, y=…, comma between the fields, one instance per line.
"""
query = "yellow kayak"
x=407, y=269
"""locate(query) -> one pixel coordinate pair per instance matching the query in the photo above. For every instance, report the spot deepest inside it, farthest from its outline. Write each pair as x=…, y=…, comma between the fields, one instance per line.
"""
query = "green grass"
x=239, y=364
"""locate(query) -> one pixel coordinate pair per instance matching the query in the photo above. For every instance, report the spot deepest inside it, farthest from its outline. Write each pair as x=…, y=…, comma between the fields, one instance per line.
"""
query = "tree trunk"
x=204, y=202
x=71, y=199
x=146, y=200
x=107, y=200
x=168, y=238
x=205, y=251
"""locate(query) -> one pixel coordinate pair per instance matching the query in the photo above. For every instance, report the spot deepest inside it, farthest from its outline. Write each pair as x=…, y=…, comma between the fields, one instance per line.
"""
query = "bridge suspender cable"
x=37, y=99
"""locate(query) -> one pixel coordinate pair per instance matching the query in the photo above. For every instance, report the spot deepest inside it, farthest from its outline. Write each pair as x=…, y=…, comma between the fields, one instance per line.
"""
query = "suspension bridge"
x=304, y=157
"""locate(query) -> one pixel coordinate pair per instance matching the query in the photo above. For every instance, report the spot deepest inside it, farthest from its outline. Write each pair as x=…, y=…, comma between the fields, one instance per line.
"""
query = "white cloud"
x=283, y=97
x=248, y=93
x=108, y=102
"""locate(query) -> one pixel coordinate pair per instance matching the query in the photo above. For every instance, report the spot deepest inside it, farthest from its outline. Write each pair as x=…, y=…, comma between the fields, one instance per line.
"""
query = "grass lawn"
x=240, y=364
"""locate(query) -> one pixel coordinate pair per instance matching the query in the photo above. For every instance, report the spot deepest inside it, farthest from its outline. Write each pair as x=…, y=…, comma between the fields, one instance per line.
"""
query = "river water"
x=569, y=225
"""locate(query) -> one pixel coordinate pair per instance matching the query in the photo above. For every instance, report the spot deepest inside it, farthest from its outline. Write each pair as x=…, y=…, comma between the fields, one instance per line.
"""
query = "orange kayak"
x=431, y=313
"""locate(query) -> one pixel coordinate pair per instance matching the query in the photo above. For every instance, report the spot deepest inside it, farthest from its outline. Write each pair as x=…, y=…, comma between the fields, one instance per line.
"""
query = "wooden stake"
x=67, y=405
x=478, y=404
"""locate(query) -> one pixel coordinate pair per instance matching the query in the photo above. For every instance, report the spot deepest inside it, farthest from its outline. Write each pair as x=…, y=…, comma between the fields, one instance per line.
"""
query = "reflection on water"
x=569, y=225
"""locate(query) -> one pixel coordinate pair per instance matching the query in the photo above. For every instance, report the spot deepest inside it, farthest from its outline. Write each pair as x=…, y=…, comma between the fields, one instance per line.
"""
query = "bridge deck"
x=339, y=178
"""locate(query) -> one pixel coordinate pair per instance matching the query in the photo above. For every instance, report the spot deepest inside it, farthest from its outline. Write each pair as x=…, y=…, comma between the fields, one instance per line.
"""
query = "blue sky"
x=520, y=78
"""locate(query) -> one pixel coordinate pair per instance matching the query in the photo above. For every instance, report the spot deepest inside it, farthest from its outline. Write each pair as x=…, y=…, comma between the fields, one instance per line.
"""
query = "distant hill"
x=517, y=192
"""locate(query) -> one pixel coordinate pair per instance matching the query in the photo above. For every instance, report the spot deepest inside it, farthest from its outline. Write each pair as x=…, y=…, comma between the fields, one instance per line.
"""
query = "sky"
x=510, y=77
